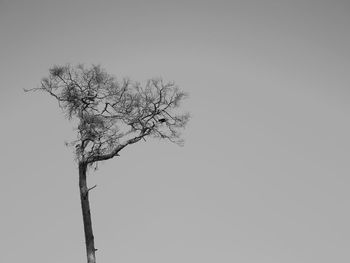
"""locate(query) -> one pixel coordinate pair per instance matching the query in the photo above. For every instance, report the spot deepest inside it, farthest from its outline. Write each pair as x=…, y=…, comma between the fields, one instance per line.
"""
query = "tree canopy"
x=114, y=113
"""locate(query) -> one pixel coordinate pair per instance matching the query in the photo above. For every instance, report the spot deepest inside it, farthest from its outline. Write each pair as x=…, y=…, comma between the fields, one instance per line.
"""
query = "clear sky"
x=264, y=173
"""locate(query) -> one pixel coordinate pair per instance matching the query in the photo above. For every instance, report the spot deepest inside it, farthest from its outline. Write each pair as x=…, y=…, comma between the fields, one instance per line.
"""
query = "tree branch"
x=109, y=112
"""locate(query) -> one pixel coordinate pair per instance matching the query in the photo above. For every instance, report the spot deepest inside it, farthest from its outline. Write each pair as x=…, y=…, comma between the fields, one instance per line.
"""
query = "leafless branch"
x=112, y=114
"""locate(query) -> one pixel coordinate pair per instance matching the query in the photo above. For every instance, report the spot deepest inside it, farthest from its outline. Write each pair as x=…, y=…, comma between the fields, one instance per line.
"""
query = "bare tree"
x=111, y=115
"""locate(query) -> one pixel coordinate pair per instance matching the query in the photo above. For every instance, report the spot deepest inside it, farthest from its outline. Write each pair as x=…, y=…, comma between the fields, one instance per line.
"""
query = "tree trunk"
x=85, y=206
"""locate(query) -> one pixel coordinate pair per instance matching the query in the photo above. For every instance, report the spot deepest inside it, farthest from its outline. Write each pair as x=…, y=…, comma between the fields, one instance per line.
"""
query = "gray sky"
x=264, y=174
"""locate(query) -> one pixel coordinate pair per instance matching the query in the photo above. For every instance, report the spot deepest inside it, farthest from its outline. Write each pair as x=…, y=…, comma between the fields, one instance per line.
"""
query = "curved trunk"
x=85, y=206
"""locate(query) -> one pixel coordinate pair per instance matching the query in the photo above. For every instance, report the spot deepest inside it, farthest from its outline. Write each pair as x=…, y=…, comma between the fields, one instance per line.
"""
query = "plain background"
x=264, y=173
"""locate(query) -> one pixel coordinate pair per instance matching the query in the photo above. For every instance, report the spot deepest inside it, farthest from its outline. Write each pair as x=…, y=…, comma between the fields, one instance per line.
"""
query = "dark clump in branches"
x=113, y=114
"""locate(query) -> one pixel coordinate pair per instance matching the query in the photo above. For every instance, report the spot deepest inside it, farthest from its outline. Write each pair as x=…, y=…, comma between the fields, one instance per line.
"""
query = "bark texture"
x=85, y=206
